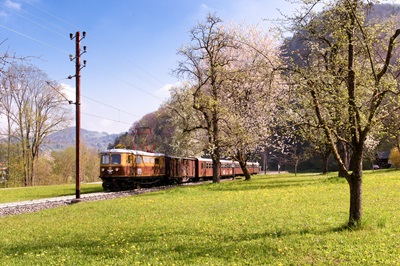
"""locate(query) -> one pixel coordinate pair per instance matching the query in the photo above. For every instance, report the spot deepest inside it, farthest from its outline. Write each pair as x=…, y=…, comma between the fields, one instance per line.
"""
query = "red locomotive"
x=122, y=169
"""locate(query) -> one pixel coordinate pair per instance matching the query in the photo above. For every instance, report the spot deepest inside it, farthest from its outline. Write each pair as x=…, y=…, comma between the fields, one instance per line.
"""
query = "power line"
x=150, y=75
x=146, y=79
x=44, y=11
x=92, y=115
x=130, y=84
x=69, y=101
x=33, y=39
x=110, y=106
x=107, y=105
x=101, y=117
x=31, y=20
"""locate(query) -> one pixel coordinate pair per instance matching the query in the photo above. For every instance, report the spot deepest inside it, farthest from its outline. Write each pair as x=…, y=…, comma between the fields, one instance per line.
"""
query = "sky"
x=131, y=47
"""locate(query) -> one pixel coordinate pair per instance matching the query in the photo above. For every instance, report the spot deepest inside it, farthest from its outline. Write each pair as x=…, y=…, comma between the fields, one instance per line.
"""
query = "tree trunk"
x=246, y=172
x=326, y=161
x=241, y=158
x=216, y=178
x=265, y=161
x=216, y=166
x=355, y=184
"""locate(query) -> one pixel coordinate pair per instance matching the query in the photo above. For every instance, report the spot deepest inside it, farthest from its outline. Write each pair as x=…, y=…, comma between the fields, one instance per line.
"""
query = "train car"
x=122, y=169
x=204, y=169
x=237, y=170
x=178, y=169
x=254, y=167
x=225, y=169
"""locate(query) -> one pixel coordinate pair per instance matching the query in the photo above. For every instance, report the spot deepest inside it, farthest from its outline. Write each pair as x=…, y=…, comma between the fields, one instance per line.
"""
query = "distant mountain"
x=66, y=138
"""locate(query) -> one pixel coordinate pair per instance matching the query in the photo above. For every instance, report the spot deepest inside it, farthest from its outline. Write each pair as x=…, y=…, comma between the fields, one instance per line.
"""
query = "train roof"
x=134, y=152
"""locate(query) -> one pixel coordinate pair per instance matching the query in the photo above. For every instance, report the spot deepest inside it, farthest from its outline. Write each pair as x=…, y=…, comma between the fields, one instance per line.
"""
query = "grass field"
x=40, y=192
x=271, y=220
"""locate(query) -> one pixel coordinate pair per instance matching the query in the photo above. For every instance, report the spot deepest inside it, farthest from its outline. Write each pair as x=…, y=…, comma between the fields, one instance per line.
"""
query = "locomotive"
x=122, y=169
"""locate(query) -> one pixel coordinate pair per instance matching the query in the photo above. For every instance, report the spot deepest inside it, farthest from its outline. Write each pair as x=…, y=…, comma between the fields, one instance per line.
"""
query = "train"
x=123, y=169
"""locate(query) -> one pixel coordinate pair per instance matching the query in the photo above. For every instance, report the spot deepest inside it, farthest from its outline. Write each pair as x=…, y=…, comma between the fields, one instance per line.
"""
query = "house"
x=382, y=159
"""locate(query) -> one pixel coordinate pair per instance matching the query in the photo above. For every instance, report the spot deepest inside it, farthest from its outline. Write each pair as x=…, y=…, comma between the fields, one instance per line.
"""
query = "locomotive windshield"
x=111, y=158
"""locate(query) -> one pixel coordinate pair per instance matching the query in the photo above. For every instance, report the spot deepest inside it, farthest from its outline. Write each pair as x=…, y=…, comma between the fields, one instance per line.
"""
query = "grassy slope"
x=278, y=220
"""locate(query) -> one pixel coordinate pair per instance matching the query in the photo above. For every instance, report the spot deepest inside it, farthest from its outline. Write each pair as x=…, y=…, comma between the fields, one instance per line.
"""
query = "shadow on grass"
x=186, y=246
x=272, y=184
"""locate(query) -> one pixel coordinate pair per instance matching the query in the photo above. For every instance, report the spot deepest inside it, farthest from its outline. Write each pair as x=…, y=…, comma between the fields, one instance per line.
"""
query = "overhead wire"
x=33, y=39
x=31, y=20
x=145, y=91
x=29, y=2
x=104, y=118
x=69, y=101
x=148, y=81
x=150, y=75
x=105, y=104
x=97, y=116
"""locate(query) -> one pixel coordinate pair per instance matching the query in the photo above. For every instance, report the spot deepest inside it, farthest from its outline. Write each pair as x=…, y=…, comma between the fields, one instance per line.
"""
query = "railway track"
x=20, y=207
x=14, y=208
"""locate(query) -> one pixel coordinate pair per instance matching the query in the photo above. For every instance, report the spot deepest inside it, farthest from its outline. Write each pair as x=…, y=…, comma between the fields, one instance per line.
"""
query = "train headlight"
x=103, y=169
x=116, y=169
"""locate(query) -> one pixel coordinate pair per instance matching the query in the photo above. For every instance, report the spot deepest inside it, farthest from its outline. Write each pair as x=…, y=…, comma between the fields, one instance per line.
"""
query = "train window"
x=116, y=158
x=128, y=159
x=105, y=159
x=157, y=161
x=138, y=161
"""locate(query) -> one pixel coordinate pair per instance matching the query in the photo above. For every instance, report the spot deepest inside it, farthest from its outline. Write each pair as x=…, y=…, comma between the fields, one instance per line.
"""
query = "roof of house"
x=382, y=154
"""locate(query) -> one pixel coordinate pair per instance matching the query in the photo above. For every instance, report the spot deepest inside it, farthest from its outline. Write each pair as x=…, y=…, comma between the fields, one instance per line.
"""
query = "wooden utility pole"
x=78, y=68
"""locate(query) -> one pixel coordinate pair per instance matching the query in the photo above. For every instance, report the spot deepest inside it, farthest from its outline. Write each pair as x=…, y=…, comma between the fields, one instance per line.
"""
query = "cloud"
x=68, y=91
x=12, y=5
x=204, y=7
x=3, y=14
x=164, y=91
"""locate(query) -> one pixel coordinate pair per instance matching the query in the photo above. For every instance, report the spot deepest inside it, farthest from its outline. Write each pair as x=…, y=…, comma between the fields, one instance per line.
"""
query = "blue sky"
x=131, y=47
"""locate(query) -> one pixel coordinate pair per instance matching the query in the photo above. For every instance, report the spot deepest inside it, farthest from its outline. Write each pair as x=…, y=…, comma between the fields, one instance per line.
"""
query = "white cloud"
x=68, y=91
x=164, y=92
x=204, y=6
x=12, y=5
x=3, y=14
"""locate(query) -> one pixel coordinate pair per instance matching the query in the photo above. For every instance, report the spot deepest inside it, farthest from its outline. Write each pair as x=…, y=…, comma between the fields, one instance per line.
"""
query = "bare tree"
x=204, y=64
x=34, y=108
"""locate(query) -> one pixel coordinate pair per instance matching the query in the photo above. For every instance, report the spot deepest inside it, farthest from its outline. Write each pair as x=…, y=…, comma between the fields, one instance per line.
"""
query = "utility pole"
x=78, y=68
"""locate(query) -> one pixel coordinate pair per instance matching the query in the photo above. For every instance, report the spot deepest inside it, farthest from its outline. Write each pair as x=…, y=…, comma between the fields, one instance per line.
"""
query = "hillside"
x=65, y=138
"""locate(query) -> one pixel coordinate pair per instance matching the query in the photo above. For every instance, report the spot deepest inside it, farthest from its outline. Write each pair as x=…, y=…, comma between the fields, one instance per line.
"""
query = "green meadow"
x=270, y=220
x=40, y=192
